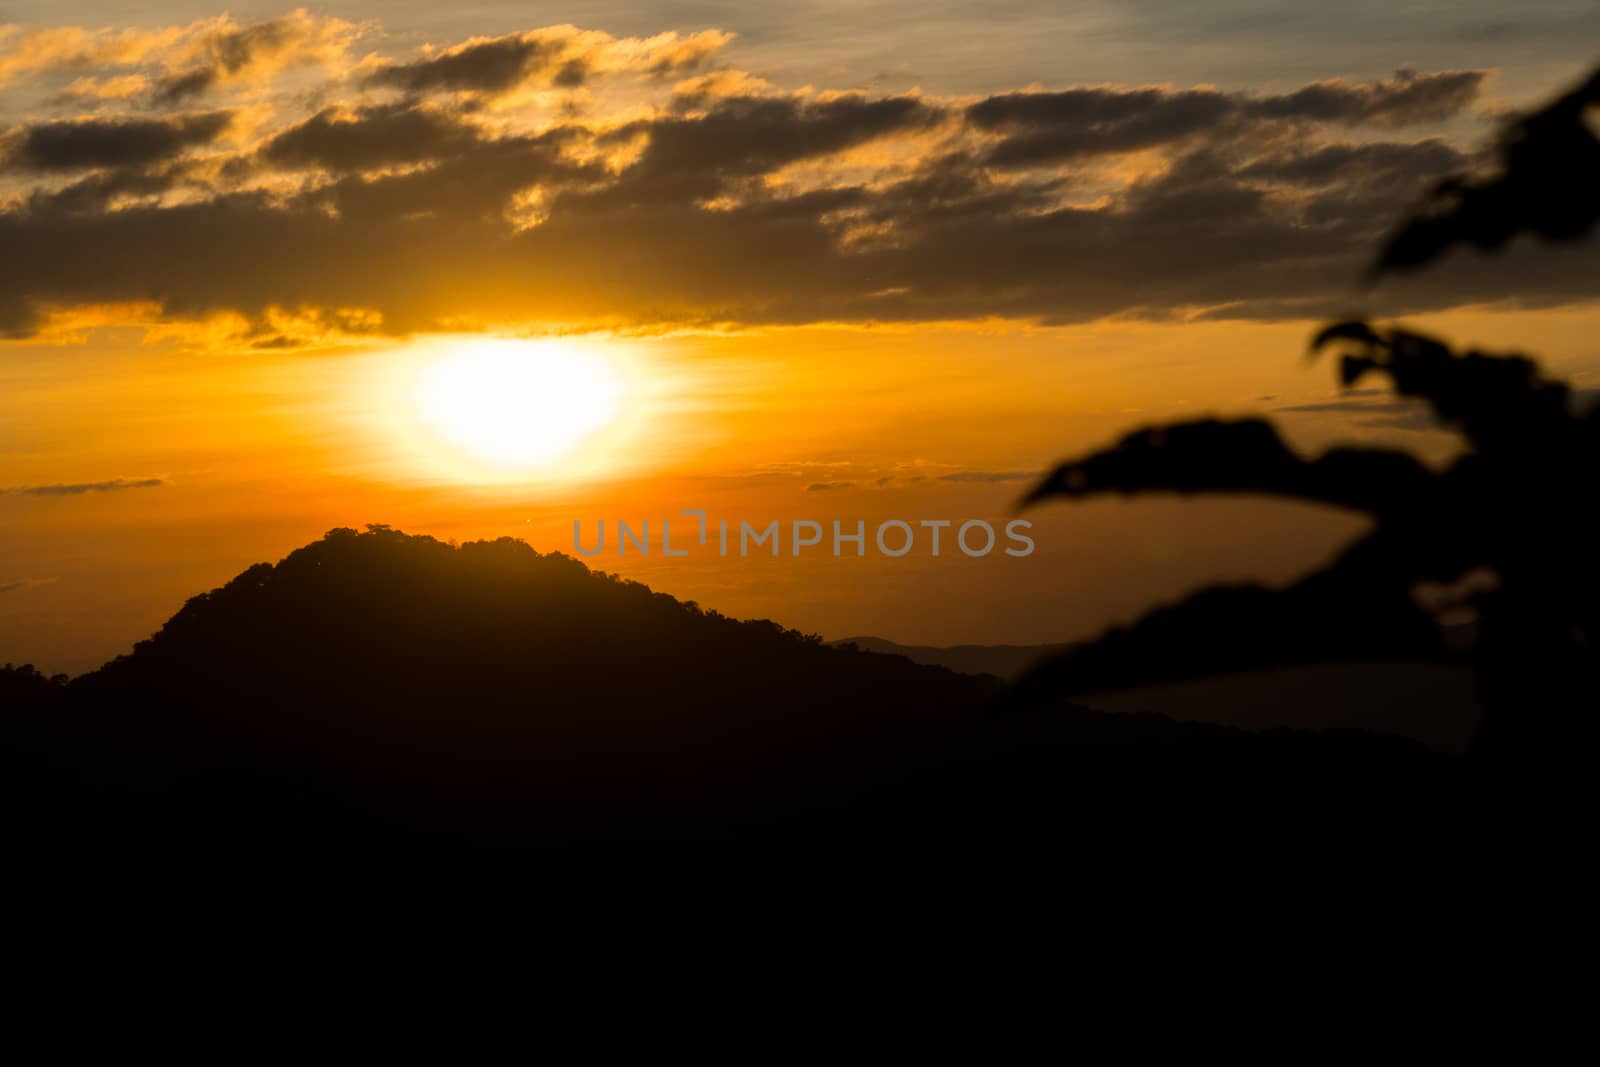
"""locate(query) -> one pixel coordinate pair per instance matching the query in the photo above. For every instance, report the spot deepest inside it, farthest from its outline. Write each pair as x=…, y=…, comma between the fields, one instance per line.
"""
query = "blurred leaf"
x=1497, y=401
x=1243, y=456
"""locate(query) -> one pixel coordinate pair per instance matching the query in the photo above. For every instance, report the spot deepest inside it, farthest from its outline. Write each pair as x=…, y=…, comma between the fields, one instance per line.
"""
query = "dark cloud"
x=177, y=88
x=88, y=143
x=80, y=488
x=95, y=192
x=742, y=137
x=489, y=66
x=1047, y=127
x=476, y=184
x=370, y=137
x=819, y=487
x=1382, y=161
x=1405, y=99
x=573, y=73
x=19, y=318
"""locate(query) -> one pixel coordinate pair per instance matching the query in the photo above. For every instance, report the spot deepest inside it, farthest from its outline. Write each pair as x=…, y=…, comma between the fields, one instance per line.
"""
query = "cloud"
x=75, y=47
x=81, y=145
x=190, y=59
x=1383, y=161
x=431, y=191
x=24, y=583
x=369, y=137
x=220, y=52
x=492, y=65
x=80, y=488
x=702, y=89
x=1045, y=127
x=744, y=137
x=174, y=88
x=991, y=476
x=1406, y=99
x=819, y=487
x=562, y=57
x=89, y=90
x=1372, y=408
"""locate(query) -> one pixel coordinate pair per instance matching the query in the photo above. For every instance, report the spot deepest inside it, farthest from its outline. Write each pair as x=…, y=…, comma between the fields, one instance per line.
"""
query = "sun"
x=517, y=407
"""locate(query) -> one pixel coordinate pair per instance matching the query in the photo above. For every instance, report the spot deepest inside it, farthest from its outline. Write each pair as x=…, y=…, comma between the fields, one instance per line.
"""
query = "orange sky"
x=911, y=297
x=259, y=454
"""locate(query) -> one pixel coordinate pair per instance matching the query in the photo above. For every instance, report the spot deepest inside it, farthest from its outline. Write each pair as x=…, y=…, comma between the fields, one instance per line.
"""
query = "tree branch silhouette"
x=1517, y=503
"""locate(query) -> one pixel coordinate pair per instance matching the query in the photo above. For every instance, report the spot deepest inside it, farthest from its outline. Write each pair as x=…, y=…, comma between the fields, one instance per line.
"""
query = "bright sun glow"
x=518, y=406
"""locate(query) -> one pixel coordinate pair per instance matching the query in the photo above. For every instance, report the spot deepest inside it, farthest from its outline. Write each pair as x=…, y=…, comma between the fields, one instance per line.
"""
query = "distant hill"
x=1006, y=662
x=378, y=684
x=1428, y=702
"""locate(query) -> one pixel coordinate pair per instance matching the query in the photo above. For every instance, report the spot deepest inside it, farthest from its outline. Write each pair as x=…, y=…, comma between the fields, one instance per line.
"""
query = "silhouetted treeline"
x=378, y=686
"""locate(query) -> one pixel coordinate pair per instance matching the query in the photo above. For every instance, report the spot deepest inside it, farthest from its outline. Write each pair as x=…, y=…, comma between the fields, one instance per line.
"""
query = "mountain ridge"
x=490, y=693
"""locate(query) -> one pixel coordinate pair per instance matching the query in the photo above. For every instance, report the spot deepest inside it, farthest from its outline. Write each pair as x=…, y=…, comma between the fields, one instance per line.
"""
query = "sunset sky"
x=485, y=269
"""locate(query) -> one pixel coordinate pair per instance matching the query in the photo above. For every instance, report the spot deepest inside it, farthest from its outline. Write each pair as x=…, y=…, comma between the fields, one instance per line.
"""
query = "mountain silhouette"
x=382, y=687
